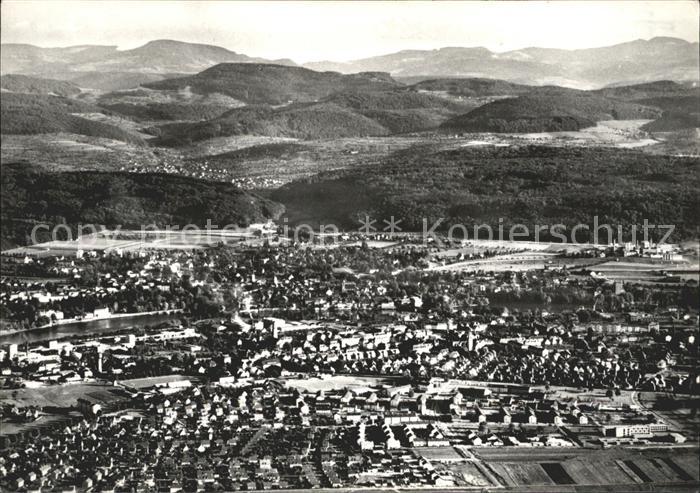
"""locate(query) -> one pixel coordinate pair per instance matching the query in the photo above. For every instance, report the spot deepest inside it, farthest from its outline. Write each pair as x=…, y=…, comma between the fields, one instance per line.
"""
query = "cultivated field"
x=54, y=396
x=134, y=240
x=583, y=467
x=70, y=152
x=336, y=382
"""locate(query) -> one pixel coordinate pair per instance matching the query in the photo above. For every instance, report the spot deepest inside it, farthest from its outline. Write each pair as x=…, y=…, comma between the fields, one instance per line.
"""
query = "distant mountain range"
x=160, y=57
x=622, y=64
x=232, y=99
x=626, y=63
x=109, y=69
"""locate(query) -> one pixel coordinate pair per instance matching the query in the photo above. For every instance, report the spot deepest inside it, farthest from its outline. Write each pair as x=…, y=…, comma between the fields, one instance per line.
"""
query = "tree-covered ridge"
x=472, y=87
x=527, y=185
x=680, y=104
x=129, y=200
x=28, y=114
x=274, y=84
x=166, y=111
x=349, y=114
x=548, y=111
x=37, y=85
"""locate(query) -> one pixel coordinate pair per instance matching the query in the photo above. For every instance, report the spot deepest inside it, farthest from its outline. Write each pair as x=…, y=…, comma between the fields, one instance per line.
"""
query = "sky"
x=340, y=31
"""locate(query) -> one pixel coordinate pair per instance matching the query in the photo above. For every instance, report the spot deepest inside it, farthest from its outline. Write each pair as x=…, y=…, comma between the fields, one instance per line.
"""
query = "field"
x=61, y=397
x=645, y=270
x=336, y=382
x=148, y=382
x=470, y=474
x=133, y=240
x=69, y=152
x=590, y=467
x=52, y=396
x=438, y=454
x=513, y=262
x=624, y=134
x=514, y=474
x=676, y=410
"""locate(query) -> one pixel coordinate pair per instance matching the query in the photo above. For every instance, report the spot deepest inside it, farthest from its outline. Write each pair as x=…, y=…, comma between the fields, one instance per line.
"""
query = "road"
x=665, y=417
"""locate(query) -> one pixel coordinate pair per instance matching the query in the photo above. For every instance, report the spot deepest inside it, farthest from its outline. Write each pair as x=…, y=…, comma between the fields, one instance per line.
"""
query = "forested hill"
x=548, y=111
x=255, y=83
x=28, y=114
x=523, y=185
x=472, y=87
x=349, y=114
x=37, y=85
x=30, y=196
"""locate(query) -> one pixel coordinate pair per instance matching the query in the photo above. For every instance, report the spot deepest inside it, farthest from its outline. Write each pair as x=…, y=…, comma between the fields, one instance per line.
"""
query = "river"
x=85, y=328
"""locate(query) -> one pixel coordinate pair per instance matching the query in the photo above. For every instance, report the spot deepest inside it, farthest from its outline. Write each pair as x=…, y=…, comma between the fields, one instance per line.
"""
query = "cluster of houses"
x=217, y=403
x=245, y=434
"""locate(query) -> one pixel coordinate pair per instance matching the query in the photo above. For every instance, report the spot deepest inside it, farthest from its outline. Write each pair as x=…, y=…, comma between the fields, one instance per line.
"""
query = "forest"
x=29, y=114
x=30, y=196
x=524, y=185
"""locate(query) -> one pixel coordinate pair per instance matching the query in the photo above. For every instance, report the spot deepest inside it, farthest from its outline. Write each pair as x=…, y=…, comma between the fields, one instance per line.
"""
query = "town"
x=369, y=361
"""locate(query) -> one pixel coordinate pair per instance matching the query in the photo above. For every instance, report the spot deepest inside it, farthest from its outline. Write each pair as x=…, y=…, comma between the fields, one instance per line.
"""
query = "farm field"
x=54, y=396
x=438, y=454
x=207, y=159
x=71, y=152
x=645, y=270
x=60, y=397
x=516, y=474
x=675, y=409
x=129, y=240
x=326, y=383
x=470, y=473
x=517, y=262
x=617, y=133
x=590, y=467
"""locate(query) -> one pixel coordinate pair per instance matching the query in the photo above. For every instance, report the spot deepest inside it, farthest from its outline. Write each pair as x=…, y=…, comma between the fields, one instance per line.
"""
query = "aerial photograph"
x=373, y=246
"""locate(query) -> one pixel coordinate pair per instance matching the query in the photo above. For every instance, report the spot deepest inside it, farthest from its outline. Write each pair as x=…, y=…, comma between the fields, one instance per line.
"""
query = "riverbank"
x=101, y=323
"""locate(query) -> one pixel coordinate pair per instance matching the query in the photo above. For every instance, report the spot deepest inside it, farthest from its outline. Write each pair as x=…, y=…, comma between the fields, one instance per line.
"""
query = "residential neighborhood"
x=357, y=363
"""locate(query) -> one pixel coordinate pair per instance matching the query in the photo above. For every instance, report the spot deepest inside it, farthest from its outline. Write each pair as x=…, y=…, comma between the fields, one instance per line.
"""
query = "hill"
x=635, y=61
x=671, y=121
x=339, y=115
x=113, y=199
x=143, y=104
x=37, y=113
x=18, y=58
x=679, y=112
x=528, y=185
x=683, y=103
x=274, y=84
x=471, y=87
x=155, y=57
x=547, y=111
x=680, y=103
x=114, y=81
x=302, y=120
x=391, y=101
x=402, y=111
x=166, y=111
x=35, y=85
x=636, y=92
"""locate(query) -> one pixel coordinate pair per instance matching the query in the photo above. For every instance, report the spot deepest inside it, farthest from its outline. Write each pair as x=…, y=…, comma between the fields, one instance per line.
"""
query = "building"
x=635, y=431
